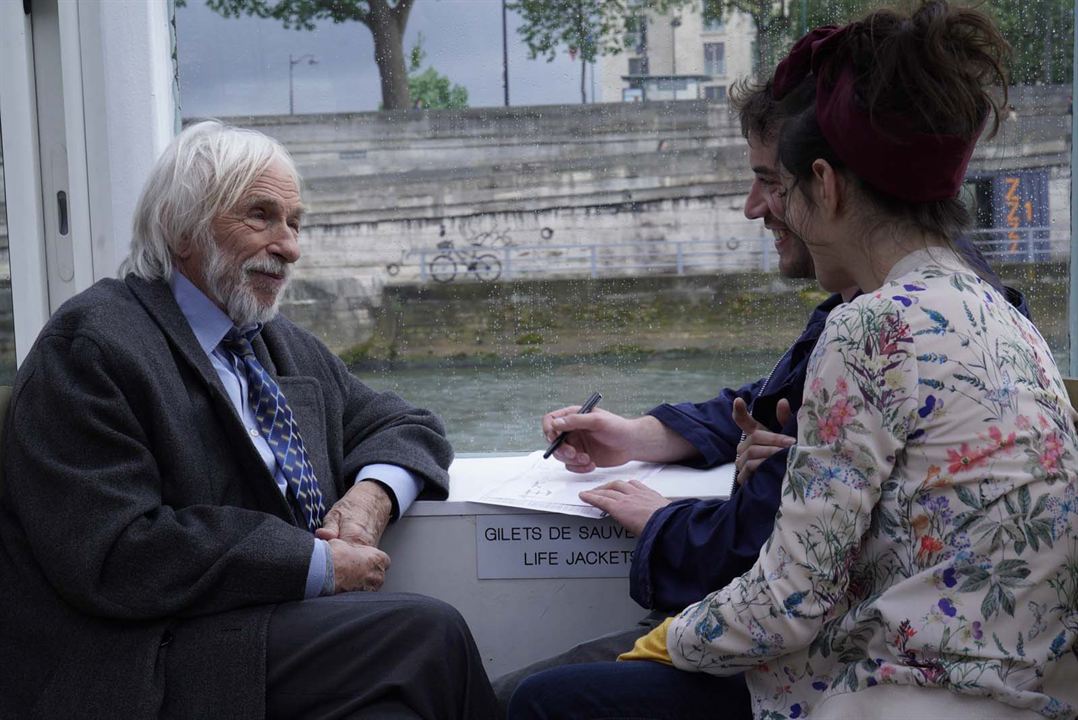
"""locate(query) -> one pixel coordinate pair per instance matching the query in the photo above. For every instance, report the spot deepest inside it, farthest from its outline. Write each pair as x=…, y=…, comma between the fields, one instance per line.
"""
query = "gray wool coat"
x=137, y=519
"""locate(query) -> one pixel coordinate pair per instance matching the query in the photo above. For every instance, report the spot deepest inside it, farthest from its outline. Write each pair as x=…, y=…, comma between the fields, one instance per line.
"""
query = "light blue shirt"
x=210, y=325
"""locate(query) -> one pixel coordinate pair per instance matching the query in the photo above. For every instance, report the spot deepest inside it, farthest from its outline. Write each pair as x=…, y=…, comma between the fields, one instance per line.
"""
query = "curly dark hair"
x=940, y=68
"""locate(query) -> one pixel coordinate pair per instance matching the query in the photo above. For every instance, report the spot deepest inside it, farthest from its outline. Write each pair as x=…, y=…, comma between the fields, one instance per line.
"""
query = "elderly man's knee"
x=432, y=619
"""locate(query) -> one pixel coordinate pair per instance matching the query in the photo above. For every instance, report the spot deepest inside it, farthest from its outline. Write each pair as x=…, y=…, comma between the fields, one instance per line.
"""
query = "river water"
x=498, y=409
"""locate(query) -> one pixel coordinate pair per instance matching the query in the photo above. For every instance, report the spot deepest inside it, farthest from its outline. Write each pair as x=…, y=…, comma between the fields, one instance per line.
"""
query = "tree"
x=587, y=28
x=1041, y=33
x=386, y=20
x=772, y=22
x=430, y=89
x=778, y=24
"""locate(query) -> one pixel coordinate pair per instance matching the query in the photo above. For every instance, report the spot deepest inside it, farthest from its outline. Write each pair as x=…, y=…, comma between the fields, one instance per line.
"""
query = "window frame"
x=120, y=110
x=117, y=111
x=711, y=62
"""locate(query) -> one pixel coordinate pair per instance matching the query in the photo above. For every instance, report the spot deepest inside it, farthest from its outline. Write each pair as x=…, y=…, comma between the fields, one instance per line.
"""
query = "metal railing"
x=1022, y=245
x=680, y=257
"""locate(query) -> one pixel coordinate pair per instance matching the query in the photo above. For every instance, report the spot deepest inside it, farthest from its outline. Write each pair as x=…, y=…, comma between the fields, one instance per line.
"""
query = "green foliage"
x=589, y=28
x=297, y=14
x=430, y=89
x=1041, y=33
x=778, y=25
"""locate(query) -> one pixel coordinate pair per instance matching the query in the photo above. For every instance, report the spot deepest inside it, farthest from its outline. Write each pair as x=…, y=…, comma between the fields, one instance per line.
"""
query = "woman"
x=924, y=562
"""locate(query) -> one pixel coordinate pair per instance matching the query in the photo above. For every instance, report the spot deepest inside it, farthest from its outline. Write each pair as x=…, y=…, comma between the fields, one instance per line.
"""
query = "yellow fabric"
x=652, y=646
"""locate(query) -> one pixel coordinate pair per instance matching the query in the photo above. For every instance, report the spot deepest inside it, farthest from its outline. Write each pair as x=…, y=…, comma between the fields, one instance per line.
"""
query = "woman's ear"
x=829, y=186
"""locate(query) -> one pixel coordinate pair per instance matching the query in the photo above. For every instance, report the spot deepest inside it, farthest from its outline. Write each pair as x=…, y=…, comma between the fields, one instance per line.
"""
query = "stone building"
x=680, y=56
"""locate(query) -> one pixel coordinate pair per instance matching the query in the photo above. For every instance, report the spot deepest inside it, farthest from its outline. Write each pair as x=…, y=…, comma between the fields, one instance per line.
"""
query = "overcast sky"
x=240, y=66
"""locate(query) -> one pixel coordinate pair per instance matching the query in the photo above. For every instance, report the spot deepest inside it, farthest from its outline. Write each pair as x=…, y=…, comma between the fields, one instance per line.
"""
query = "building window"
x=712, y=23
x=638, y=66
x=715, y=93
x=715, y=59
x=637, y=39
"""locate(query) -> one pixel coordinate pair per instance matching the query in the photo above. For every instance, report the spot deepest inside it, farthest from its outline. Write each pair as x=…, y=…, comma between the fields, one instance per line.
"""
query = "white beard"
x=229, y=286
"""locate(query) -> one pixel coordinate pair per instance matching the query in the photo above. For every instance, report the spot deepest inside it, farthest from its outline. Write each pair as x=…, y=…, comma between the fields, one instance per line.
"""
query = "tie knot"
x=239, y=343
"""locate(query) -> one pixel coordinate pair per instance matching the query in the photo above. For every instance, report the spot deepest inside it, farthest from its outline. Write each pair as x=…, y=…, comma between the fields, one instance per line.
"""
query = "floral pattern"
x=927, y=532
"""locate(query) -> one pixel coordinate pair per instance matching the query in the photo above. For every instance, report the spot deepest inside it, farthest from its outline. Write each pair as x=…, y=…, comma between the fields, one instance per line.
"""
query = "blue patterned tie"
x=278, y=427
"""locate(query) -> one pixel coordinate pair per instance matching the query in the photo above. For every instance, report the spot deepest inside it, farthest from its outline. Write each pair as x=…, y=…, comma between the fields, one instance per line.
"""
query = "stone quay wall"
x=385, y=189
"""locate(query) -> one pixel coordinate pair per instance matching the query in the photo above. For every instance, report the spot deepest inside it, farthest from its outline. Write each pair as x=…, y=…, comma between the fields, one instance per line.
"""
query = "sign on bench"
x=551, y=546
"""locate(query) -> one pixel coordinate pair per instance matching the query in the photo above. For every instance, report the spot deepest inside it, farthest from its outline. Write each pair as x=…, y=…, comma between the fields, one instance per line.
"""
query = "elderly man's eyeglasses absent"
x=262, y=216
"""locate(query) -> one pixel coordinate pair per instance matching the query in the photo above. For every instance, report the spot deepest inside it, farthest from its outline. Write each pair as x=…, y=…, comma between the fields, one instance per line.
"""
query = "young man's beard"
x=230, y=286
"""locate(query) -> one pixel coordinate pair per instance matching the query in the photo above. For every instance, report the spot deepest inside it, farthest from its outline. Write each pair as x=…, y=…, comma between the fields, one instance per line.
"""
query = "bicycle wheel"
x=487, y=268
x=442, y=268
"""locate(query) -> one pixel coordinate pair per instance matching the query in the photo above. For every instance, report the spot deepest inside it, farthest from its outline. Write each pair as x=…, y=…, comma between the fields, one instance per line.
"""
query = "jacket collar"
x=157, y=300
x=209, y=322
x=819, y=317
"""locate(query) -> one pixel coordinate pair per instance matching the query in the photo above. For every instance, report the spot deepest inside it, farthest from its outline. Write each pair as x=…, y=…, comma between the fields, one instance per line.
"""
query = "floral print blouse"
x=927, y=531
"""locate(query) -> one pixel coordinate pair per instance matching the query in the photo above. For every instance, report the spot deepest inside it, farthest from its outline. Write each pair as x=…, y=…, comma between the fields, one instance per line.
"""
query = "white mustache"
x=268, y=265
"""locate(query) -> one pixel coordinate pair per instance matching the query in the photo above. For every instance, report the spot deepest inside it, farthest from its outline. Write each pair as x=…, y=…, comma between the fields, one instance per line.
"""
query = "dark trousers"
x=601, y=649
x=629, y=691
x=374, y=655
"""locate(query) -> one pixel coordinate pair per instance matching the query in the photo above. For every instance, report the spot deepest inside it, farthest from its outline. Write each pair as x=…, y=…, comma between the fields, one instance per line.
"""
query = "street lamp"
x=505, y=53
x=292, y=62
x=675, y=23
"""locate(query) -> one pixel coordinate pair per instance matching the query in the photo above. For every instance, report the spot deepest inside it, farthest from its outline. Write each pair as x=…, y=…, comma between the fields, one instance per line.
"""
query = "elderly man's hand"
x=357, y=567
x=759, y=443
x=359, y=517
x=630, y=503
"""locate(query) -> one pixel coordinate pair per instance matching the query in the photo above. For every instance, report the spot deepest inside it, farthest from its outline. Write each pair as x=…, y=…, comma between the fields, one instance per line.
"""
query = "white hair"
x=203, y=172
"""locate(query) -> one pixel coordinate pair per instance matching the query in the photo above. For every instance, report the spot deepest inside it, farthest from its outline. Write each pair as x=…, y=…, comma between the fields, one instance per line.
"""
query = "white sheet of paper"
x=536, y=484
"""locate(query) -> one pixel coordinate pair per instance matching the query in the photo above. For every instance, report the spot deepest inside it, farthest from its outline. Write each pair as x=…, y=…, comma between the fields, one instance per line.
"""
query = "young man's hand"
x=631, y=503
x=604, y=439
x=759, y=443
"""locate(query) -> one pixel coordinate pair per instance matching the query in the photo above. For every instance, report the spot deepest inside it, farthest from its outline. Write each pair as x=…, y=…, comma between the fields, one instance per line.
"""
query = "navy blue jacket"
x=693, y=547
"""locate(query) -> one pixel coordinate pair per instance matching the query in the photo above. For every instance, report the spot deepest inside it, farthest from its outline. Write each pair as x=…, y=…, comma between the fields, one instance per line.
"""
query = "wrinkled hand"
x=630, y=503
x=759, y=443
x=360, y=517
x=357, y=567
x=597, y=439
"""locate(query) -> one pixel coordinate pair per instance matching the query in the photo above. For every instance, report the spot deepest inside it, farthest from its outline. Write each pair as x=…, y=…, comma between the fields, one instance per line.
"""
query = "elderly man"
x=194, y=485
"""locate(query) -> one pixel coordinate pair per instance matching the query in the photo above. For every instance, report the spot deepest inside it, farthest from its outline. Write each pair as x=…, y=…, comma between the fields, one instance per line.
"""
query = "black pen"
x=586, y=408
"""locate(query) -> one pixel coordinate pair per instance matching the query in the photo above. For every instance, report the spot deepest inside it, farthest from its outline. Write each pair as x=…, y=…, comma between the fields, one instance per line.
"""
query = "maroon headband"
x=885, y=150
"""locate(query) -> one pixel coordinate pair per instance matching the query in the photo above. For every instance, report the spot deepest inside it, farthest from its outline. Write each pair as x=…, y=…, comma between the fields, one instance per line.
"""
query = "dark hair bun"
x=936, y=67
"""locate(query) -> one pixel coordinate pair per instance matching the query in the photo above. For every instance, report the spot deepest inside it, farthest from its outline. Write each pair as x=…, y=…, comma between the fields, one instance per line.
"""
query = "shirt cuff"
x=320, y=569
x=403, y=486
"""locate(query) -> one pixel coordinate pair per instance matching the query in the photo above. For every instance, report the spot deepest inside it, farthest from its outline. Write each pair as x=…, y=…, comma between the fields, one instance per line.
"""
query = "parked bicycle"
x=445, y=266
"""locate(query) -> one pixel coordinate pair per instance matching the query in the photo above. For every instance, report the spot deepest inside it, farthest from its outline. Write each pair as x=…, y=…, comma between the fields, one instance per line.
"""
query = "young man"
x=688, y=548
